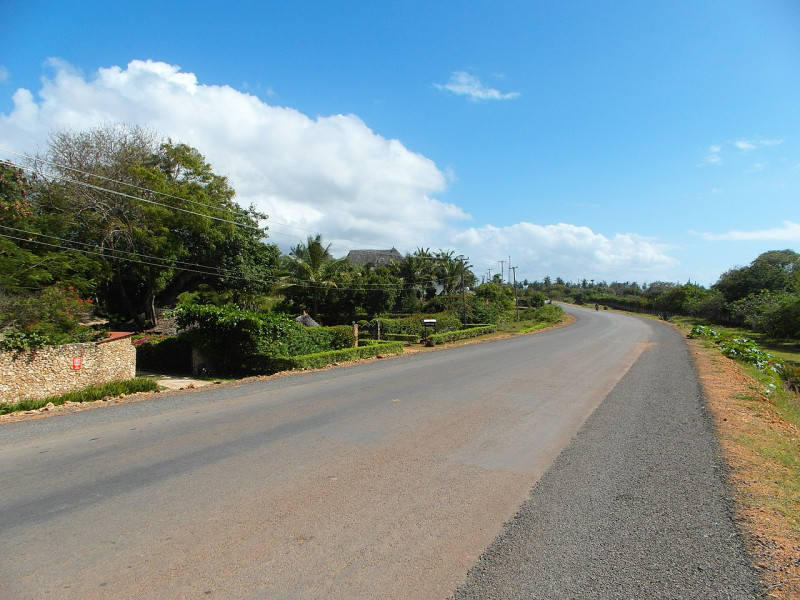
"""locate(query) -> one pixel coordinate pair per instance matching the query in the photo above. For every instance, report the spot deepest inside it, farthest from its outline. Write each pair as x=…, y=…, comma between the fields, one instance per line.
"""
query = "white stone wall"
x=55, y=370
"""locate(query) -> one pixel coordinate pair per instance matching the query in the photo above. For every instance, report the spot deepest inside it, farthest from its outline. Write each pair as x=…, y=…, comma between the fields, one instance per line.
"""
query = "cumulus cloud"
x=464, y=84
x=789, y=232
x=328, y=174
x=568, y=251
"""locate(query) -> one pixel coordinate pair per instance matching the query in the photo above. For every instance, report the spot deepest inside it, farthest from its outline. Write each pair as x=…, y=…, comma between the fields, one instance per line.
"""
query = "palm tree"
x=312, y=269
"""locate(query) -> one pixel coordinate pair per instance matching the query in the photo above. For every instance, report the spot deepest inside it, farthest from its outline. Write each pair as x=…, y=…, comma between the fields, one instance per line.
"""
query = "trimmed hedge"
x=461, y=334
x=401, y=337
x=321, y=359
x=413, y=325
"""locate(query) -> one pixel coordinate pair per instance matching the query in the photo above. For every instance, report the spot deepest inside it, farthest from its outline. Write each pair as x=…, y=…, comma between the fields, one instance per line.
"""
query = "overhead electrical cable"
x=133, y=186
x=137, y=258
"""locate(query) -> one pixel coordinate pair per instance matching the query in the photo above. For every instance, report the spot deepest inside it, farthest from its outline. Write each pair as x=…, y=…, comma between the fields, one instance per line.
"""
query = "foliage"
x=15, y=340
x=741, y=349
x=460, y=334
x=776, y=271
x=495, y=294
x=89, y=394
x=163, y=354
x=241, y=341
x=312, y=269
x=548, y=313
x=775, y=313
x=401, y=337
x=152, y=216
x=321, y=359
x=413, y=325
x=52, y=316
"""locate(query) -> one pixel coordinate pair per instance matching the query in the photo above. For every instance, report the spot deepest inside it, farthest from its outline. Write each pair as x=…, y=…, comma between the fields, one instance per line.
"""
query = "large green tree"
x=773, y=271
x=153, y=215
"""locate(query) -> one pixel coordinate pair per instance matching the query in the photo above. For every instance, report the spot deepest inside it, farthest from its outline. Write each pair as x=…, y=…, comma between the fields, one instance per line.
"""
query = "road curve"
x=387, y=479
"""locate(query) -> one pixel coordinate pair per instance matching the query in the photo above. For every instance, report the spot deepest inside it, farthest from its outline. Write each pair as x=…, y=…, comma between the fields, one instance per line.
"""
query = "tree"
x=155, y=217
x=775, y=271
x=416, y=271
x=312, y=269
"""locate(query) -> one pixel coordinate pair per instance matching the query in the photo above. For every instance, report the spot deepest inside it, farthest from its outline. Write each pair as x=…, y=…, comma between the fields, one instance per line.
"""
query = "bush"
x=412, y=326
x=401, y=337
x=547, y=313
x=461, y=334
x=49, y=317
x=163, y=354
x=322, y=359
x=742, y=349
x=791, y=377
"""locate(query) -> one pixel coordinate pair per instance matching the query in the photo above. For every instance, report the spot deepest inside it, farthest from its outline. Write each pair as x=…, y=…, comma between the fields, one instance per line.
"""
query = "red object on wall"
x=77, y=363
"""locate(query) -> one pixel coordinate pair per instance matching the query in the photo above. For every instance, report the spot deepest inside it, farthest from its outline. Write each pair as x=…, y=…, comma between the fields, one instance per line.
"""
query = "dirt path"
x=740, y=410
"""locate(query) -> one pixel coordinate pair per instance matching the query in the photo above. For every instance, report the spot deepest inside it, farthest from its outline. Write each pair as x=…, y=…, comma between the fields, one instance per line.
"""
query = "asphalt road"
x=388, y=480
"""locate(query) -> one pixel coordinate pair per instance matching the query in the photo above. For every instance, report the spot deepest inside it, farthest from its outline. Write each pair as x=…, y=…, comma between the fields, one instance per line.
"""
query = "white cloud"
x=4, y=74
x=464, y=84
x=747, y=145
x=715, y=151
x=713, y=156
x=789, y=232
x=331, y=174
x=568, y=251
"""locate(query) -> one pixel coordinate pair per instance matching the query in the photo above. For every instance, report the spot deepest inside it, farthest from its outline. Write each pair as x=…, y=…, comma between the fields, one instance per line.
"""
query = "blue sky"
x=607, y=140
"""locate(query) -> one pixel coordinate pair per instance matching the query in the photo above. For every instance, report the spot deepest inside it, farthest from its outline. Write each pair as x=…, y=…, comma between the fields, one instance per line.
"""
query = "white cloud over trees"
x=330, y=174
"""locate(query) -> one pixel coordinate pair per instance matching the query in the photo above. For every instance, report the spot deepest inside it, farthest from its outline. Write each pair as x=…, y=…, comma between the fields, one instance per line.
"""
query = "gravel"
x=635, y=507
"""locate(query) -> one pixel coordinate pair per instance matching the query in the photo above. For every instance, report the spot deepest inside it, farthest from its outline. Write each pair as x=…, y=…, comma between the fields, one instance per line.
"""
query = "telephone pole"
x=501, y=270
x=516, y=308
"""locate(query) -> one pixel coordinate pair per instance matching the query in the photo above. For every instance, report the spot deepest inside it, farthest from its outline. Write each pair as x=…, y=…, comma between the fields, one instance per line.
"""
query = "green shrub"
x=163, y=354
x=400, y=337
x=446, y=321
x=461, y=334
x=791, y=377
x=321, y=359
x=547, y=313
x=50, y=317
x=241, y=341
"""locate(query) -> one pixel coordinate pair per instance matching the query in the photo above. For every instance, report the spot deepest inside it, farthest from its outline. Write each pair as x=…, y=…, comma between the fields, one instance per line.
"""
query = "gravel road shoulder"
x=635, y=507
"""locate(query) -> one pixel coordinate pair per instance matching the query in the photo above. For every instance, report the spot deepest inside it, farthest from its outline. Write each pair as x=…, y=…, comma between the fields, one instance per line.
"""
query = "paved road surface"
x=381, y=480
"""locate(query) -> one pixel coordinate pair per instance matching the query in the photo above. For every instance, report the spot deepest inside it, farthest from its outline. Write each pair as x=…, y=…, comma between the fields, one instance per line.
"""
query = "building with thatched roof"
x=377, y=258
x=305, y=319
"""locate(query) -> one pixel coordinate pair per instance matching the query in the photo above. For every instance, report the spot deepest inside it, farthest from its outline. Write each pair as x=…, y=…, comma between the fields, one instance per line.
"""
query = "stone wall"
x=54, y=370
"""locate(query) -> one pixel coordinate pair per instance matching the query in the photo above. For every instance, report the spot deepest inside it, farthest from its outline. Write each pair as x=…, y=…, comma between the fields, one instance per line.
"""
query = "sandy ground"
x=773, y=546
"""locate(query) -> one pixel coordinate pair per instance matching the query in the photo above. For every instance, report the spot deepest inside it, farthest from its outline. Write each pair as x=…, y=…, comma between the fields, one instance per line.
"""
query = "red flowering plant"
x=53, y=316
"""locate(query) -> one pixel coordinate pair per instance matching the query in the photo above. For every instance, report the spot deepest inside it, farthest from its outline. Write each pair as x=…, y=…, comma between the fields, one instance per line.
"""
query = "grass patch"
x=89, y=394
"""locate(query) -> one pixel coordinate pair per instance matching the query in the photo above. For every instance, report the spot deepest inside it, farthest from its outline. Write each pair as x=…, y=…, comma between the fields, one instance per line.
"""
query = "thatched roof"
x=374, y=257
x=306, y=320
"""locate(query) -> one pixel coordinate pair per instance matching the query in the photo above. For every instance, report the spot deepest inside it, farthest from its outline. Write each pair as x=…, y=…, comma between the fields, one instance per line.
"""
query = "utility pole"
x=489, y=279
x=463, y=292
x=516, y=308
x=501, y=270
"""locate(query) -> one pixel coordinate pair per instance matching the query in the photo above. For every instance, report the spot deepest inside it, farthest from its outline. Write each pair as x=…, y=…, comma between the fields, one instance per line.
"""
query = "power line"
x=117, y=181
x=169, y=262
x=137, y=258
x=66, y=179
